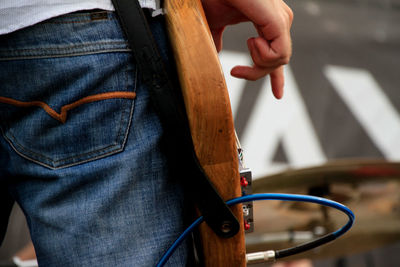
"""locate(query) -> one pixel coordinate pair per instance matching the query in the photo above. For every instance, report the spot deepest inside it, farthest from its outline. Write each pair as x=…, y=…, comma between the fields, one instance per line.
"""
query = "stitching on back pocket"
x=62, y=116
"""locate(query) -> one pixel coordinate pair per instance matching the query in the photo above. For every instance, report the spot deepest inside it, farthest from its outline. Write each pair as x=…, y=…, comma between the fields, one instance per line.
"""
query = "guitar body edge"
x=210, y=118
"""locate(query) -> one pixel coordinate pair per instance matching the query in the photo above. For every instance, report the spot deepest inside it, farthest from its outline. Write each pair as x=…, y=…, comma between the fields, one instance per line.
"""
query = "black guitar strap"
x=170, y=108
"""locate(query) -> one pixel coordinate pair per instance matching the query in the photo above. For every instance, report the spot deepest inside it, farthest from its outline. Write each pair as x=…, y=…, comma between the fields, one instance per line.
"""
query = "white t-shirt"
x=18, y=14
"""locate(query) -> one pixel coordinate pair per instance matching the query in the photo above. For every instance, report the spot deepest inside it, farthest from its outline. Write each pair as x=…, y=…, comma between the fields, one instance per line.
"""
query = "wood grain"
x=210, y=118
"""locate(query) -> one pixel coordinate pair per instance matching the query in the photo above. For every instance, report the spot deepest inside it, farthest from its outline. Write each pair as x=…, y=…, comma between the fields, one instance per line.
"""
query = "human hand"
x=270, y=50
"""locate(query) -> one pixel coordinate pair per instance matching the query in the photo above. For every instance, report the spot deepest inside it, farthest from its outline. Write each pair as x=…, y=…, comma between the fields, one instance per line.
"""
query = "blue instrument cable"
x=271, y=196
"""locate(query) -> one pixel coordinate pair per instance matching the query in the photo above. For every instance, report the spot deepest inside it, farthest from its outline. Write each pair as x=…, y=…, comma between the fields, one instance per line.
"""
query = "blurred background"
x=336, y=132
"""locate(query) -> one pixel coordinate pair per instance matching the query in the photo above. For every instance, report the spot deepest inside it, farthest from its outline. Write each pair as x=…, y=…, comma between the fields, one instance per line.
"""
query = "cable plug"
x=260, y=257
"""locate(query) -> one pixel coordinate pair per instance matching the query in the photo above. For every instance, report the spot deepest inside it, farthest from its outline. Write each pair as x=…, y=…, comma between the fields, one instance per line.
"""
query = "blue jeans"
x=81, y=145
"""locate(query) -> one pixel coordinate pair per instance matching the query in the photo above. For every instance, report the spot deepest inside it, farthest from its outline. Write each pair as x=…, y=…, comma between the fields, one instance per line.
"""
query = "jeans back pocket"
x=67, y=89
x=60, y=112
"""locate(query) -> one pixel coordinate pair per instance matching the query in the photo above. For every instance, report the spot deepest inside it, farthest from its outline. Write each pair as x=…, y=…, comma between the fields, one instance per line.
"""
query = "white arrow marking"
x=366, y=99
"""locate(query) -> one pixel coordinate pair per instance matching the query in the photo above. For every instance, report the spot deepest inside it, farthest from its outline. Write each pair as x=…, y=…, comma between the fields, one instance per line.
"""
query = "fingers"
x=277, y=82
x=270, y=51
x=265, y=55
x=254, y=73
x=266, y=61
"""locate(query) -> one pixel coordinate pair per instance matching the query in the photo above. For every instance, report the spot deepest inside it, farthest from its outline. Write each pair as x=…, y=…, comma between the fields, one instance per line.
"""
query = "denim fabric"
x=81, y=145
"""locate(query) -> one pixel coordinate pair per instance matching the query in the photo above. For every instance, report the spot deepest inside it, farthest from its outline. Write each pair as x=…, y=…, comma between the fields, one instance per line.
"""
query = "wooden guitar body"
x=210, y=118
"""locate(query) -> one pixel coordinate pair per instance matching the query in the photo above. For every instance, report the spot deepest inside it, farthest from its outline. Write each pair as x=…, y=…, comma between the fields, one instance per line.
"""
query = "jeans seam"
x=77, y=15
x=77, y=54
x=16, y=150
x=66, y=48
x=19, y=149
x=77, y=21
x=120, y=130
x=131, y=111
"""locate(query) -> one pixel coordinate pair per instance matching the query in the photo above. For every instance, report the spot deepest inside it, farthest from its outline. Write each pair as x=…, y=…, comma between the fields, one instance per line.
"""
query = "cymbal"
x=370, y=188
x=347, y=171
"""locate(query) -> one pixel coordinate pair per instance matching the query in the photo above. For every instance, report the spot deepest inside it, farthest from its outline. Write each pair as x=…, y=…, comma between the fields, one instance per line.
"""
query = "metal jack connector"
x=260, y=257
